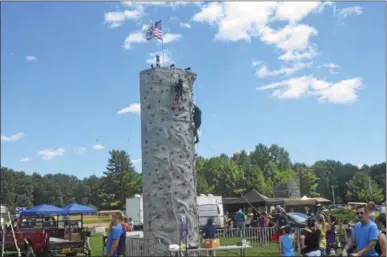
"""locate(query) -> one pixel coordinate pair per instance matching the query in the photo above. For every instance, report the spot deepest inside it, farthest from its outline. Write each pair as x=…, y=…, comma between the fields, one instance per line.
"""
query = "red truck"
x=37, y=236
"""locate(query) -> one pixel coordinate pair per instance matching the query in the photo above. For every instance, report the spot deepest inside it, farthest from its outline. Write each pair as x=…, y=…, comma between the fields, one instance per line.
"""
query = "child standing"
x=331, y=236
x=287, y=242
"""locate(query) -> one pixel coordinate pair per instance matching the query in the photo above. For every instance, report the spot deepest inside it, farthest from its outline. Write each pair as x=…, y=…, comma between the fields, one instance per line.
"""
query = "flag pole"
x=162, y=42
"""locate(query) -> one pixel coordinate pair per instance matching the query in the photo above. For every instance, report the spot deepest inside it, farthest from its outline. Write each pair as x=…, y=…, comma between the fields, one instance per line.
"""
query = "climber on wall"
x=197, y=120
x=179, y=91
x=157, y=61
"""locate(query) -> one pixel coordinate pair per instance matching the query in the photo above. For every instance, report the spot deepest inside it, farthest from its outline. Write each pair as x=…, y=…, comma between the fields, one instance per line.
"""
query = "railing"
x=264, y=241
x=145, y=247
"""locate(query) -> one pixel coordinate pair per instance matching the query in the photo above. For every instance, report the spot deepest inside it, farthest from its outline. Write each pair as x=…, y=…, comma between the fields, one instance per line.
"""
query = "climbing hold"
x=146, y=141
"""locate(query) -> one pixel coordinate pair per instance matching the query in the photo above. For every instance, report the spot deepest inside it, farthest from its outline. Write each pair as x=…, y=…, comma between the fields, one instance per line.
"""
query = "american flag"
x=155, y=30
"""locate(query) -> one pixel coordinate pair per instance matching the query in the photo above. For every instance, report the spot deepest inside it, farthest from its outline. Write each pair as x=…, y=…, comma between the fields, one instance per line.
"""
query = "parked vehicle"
x=134, y=210
x=44, y=235
x=210, y=206
x=297, y=219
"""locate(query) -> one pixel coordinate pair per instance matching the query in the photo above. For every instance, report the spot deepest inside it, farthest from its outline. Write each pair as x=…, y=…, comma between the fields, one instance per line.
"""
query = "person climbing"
x=157, y=61
x=178, y=91
x=197, y=120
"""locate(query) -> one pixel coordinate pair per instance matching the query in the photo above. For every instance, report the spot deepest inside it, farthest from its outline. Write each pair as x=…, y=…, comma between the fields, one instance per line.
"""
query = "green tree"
x=121, y=179
x=308, y=179
x=358, y=189
x=202, y=186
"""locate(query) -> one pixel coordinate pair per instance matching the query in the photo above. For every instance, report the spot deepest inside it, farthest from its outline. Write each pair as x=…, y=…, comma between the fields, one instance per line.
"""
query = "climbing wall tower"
x=168, y=155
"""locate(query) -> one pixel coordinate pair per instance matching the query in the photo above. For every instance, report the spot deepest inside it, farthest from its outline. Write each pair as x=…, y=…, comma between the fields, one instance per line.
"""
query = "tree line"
x=267, y=169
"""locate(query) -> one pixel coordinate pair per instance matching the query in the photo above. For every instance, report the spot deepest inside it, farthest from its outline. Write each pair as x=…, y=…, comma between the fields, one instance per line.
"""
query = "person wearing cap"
x=287, y=242
x=365, y=234
x=383, y=208
x=310, y=238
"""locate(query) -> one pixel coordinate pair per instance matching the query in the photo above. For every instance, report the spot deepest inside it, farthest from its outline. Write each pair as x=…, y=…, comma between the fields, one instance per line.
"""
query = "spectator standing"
x=116, y=239
x=365, y=234
x=383, y=208
x=330, y=236
x=287, y=242
x=323, y=227
x=310, y=239
x=380, y=246
x=371, y=206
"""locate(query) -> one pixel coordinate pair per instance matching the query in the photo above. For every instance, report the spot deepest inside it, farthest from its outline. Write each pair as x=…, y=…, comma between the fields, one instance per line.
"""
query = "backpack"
x=121, y=249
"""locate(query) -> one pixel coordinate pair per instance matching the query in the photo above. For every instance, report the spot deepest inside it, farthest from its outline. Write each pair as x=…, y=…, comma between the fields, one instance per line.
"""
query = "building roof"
x=255, y=197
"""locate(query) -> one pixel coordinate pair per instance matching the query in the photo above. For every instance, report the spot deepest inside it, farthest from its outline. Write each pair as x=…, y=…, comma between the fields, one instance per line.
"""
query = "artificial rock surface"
x=168, y=155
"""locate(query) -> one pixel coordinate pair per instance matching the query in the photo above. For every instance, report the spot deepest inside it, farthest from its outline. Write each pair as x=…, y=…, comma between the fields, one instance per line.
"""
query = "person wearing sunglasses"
x=365, y=234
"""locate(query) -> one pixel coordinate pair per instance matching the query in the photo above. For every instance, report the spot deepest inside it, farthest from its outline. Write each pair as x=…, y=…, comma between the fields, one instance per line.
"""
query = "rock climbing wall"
x=168, y=155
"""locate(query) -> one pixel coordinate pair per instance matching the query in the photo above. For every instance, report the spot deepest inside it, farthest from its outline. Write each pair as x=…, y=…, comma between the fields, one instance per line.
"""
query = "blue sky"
x=307, y=76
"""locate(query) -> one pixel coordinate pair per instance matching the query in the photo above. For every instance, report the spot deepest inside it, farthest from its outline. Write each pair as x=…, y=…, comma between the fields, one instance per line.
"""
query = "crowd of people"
x=322, y=236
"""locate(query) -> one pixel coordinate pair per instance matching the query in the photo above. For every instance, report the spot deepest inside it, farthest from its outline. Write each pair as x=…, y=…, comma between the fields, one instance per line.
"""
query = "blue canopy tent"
x=78, y=209
x=43, y=209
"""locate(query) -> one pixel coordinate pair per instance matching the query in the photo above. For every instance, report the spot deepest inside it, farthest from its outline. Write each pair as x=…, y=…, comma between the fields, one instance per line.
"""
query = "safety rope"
x=239, y=191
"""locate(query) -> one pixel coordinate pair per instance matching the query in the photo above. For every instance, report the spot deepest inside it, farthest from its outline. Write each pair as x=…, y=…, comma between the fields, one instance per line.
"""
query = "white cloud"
x=12, y=138
x=210, y=13
x=25, y=159
x=255, y=63
x=134, y=38
x=31, y=58
x=290, y=38
x=243, y=20
x=170, y=37
x=344, y=91
x=98, y=147
x=49, y=154
x=350, y=11
x=263, y=71
x=293, y=55
x=116, y=19
x=185, y=25
x=295, y=11
x=331, y=66
x=132, y=108
x=165, y=58
x=80, y=150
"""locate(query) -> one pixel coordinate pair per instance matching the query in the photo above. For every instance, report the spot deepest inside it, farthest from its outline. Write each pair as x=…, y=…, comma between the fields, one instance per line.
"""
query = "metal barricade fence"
x=145, y=247
x=261, y=239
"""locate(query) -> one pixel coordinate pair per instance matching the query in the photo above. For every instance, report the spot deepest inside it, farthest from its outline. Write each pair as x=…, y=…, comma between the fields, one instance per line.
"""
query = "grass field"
x=271, y=250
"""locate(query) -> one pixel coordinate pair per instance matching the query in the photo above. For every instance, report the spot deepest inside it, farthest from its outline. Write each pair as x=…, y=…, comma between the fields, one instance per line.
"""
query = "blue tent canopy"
x=43, y=209
x=78, y=209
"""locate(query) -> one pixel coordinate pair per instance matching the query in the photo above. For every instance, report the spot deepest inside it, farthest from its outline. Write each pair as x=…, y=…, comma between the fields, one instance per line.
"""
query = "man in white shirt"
x=383, y=208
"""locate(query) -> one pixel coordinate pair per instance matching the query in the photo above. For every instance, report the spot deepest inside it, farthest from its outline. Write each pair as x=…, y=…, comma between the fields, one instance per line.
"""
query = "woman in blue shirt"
x=287, y=242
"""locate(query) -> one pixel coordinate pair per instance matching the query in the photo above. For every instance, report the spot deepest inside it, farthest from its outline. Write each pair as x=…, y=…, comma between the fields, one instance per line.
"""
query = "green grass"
x=271, y=250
